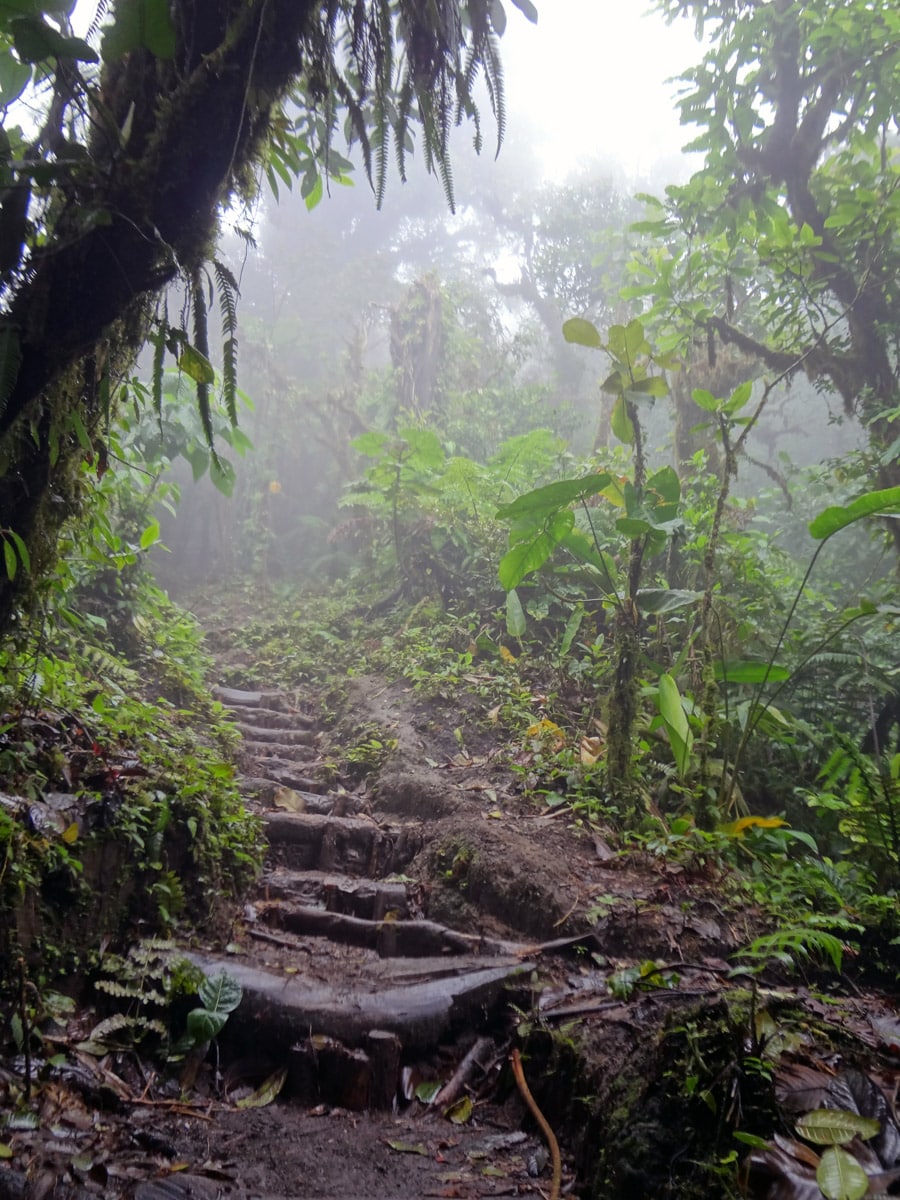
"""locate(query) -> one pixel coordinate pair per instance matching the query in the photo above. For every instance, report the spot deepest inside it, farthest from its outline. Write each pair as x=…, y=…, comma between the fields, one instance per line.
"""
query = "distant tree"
x=785, y=246
x=142, y=131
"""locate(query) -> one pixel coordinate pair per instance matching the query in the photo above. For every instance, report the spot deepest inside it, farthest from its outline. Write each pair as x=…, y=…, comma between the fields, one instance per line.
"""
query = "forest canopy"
x=139, y=133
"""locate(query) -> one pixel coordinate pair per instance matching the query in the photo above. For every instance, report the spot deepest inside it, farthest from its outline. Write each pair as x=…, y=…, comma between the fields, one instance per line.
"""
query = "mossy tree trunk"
x=142, y=212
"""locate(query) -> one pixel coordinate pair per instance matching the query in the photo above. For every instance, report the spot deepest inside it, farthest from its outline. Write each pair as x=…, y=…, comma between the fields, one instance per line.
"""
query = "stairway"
x=345, y=979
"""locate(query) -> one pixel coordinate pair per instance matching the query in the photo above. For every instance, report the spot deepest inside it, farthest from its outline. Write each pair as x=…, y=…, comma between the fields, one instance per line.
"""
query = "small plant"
x=150, y=979
x=791, y=944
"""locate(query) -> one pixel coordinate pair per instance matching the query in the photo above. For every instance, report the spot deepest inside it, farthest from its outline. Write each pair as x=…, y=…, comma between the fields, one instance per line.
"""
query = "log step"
x=421, y=1001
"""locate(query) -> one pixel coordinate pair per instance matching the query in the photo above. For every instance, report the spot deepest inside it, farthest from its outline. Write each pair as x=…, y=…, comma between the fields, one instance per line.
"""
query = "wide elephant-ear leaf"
x=543, y=500
x=882, y=502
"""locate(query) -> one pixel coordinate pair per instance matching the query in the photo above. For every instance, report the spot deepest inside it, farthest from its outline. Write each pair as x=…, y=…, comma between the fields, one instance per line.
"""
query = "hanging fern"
x=201, y=346
x=228, y=290
x=402, y=61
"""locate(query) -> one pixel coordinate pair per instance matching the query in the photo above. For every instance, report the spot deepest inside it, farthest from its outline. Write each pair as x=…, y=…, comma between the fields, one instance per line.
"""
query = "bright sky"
x=591, y=77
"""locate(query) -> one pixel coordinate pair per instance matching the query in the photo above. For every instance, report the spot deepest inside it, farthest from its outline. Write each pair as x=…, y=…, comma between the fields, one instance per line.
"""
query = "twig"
x=475, y=1060
x=542, y=1121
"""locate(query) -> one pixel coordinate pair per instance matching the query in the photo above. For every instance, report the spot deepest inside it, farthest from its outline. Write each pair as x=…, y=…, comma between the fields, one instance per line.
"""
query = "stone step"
x=254, y=734
x=285, y=751
x=370, y=899
x=348, y=844
x=238, y=698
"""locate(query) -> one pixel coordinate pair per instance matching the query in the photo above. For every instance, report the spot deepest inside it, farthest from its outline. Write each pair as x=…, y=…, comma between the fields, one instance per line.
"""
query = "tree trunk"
x=148, y=211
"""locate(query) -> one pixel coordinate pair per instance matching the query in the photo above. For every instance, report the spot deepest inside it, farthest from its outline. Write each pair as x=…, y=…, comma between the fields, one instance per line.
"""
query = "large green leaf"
x=14, y=78
x=582, y=333
x=622, y=425
x=840, y=1177
x=743, y=671
x=515, y=614
x=36, y=41
x=531, y=553
x=370, y=444
x=544, y=500
x=196, y=365
x=203, y=1025
x=140, y=23
x=676, y=723
x=665, y=600
x=832, y=1126
x=886, y=500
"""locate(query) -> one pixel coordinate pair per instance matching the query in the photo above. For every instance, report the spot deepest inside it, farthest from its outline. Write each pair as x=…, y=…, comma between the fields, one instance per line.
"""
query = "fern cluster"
x=145, y=981
x=389, y=65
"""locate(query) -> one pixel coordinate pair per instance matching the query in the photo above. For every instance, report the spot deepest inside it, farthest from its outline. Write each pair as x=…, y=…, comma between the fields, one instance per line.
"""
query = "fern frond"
x=111, y=1025
x=382, y=134
x=228, y=293
x=794, y=942
x=493, y=74
x=152, y=949
x=201, y=341
x=93, y=30
x=159, y=360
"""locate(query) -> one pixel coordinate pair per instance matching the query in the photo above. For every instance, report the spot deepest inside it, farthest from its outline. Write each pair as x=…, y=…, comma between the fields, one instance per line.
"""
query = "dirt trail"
x=406, y=932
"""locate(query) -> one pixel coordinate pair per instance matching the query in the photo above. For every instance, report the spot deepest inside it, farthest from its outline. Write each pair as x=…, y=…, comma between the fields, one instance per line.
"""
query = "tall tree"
x=785, y=246
x=145, y=129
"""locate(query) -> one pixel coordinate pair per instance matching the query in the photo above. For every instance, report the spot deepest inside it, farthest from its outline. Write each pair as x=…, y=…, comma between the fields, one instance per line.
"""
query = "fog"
x=355, y=319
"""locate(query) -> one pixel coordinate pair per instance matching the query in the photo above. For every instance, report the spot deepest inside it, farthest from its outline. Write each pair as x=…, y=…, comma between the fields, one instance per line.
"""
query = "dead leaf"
x=887, y=1032
x=408, y=1147
x=289, y=800
x=266, y=1092
x=494, y=714
x=603, y=850
x=460, y=1112
x=591, y=750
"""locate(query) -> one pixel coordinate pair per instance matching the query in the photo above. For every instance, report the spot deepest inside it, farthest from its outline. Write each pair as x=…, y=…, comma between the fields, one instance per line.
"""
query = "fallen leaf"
x=408, y=1148
x=427, y=1090
x=460, y=1112
x=266, y=1092
x=591, y=750
x=289, y=800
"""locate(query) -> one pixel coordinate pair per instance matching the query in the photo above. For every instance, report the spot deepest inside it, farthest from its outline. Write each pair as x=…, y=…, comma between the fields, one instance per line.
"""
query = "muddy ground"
x=423, y=909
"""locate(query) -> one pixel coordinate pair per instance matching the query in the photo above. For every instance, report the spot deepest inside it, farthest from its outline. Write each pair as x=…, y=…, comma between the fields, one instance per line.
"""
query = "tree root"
x=550, y=1136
